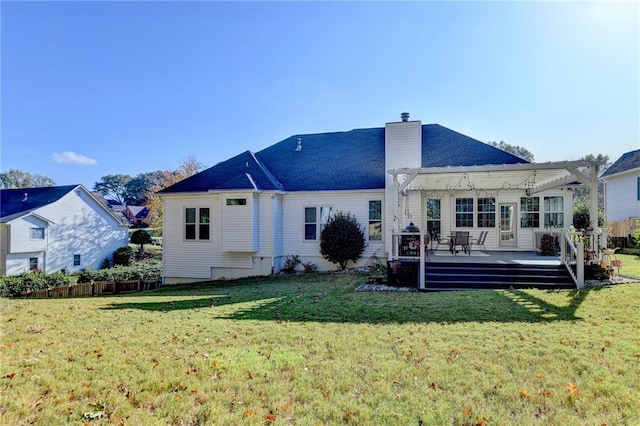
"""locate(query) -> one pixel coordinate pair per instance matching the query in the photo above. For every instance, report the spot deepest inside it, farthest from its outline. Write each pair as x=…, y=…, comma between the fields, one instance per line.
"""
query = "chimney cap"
x=404, y=116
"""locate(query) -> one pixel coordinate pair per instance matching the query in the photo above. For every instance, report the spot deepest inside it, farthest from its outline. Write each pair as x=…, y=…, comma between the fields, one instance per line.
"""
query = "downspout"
x=164, y=209
x=274, y=221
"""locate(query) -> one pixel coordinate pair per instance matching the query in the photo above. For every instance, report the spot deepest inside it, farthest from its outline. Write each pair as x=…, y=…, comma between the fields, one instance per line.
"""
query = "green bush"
x=139, y=271
x=342, y=240
x=291, y=262
x=16, y=285
x=548, y=245
x=123, y=256
x=141, y=237
x=309, y=268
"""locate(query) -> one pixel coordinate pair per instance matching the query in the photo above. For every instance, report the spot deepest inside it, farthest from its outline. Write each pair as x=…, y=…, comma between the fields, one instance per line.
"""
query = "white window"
x=434, y=213
x=197, y=223
x=486, y=212
x=375, y=220
x=464, y=212
x=36, y=233
x=315, y=218
x=553, y=212
x=530, y=212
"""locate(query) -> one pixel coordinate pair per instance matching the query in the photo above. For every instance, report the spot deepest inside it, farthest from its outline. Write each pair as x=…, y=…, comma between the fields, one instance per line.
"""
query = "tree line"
x=139, y=190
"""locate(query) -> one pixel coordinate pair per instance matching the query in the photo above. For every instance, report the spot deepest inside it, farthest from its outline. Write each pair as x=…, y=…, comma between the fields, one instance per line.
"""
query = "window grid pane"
x=36, y=233
x=464, y=212
x=530, y=212
x=310, y=222
x=553, y=212
x=375, y=220
x=486, y=212
x=434, y=213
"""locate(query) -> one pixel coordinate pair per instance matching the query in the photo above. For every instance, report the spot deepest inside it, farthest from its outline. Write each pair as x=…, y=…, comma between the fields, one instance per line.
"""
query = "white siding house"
x=243, y=216
x=56, y=228
x=622, y=187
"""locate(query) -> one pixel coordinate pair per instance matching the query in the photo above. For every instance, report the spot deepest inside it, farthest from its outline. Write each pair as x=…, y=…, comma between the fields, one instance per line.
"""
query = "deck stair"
x=473, y=276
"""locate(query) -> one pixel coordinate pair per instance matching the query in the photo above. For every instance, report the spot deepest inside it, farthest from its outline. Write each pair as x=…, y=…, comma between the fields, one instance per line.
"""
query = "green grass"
x=630, y=265
x=310, y=350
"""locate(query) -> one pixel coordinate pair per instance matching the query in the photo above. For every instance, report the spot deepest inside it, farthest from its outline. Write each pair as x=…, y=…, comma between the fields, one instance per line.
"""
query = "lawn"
x=309, y=350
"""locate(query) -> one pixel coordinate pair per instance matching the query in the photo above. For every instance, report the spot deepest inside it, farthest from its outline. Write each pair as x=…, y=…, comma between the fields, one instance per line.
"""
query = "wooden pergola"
x=493, y=179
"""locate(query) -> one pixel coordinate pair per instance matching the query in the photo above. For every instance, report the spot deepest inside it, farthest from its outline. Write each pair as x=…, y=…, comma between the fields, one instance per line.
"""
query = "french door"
x=507, y=225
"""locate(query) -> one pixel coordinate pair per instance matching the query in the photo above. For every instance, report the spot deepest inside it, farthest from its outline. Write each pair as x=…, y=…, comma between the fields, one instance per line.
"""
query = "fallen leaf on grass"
x=573, y=389
x=270, y=418
x=35, y=329
x=467, y=412
x=348, y=415
x=545, y=393
x=249, y=413
x=9, y=376
x=524, y=394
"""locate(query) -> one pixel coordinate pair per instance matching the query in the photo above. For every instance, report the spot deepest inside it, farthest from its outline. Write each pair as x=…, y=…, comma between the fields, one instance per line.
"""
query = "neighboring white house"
x=243, y=216
x=56, y=228
x=622, y=187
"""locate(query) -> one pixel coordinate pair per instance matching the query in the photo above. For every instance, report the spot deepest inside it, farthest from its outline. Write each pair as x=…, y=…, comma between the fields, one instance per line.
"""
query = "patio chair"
x=439, y=241
x=462, y=240
x=479, y=241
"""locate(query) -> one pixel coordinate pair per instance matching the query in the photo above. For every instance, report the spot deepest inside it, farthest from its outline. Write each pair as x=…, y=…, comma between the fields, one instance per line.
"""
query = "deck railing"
x=572, y=256
x=410, y=246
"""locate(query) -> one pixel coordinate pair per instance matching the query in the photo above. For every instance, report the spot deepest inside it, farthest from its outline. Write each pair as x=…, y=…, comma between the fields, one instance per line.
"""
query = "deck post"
x=422, y=266
x=580, y=265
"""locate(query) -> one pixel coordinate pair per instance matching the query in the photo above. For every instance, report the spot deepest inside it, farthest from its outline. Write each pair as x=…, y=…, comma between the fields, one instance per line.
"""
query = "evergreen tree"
x=342, y=240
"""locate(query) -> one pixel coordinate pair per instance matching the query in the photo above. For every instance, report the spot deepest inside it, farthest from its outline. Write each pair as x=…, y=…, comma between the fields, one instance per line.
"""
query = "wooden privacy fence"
x=621, y=231
x=94, y=288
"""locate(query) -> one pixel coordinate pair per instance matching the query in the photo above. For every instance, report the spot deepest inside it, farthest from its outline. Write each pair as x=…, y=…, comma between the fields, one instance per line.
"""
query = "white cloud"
x=71, y=157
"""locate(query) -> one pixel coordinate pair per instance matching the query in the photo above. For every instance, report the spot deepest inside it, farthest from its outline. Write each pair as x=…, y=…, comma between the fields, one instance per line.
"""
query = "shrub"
x=139, y=271
x=342, y=240
x=291, y=262
x=123, y=256
x=141, y=237
x=548, y=245
x=105, y=263
x=636, y=236
x=309, y=268
x=15, y=286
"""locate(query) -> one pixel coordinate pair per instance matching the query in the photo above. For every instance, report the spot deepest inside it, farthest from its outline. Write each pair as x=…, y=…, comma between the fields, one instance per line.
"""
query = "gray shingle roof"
x=23, y=200
x=628, y=161
x=337, y=161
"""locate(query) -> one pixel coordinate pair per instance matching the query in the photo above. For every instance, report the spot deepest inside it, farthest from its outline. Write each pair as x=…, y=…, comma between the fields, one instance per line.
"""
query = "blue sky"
x=97, y=88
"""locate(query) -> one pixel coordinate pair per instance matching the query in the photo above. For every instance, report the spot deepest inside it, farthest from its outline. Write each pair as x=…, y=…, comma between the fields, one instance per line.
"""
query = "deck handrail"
x=572, y=256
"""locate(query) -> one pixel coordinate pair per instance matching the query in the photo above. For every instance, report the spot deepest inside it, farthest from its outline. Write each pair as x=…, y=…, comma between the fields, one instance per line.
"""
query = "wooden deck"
x=495, y=257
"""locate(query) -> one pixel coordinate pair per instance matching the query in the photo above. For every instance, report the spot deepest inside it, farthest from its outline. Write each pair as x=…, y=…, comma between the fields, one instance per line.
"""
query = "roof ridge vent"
x=299, y=145
x=404, y=116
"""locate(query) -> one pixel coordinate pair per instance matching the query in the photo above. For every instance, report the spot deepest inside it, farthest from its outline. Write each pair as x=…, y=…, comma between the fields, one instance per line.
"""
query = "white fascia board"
x=622, y=173
x=560, y=165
